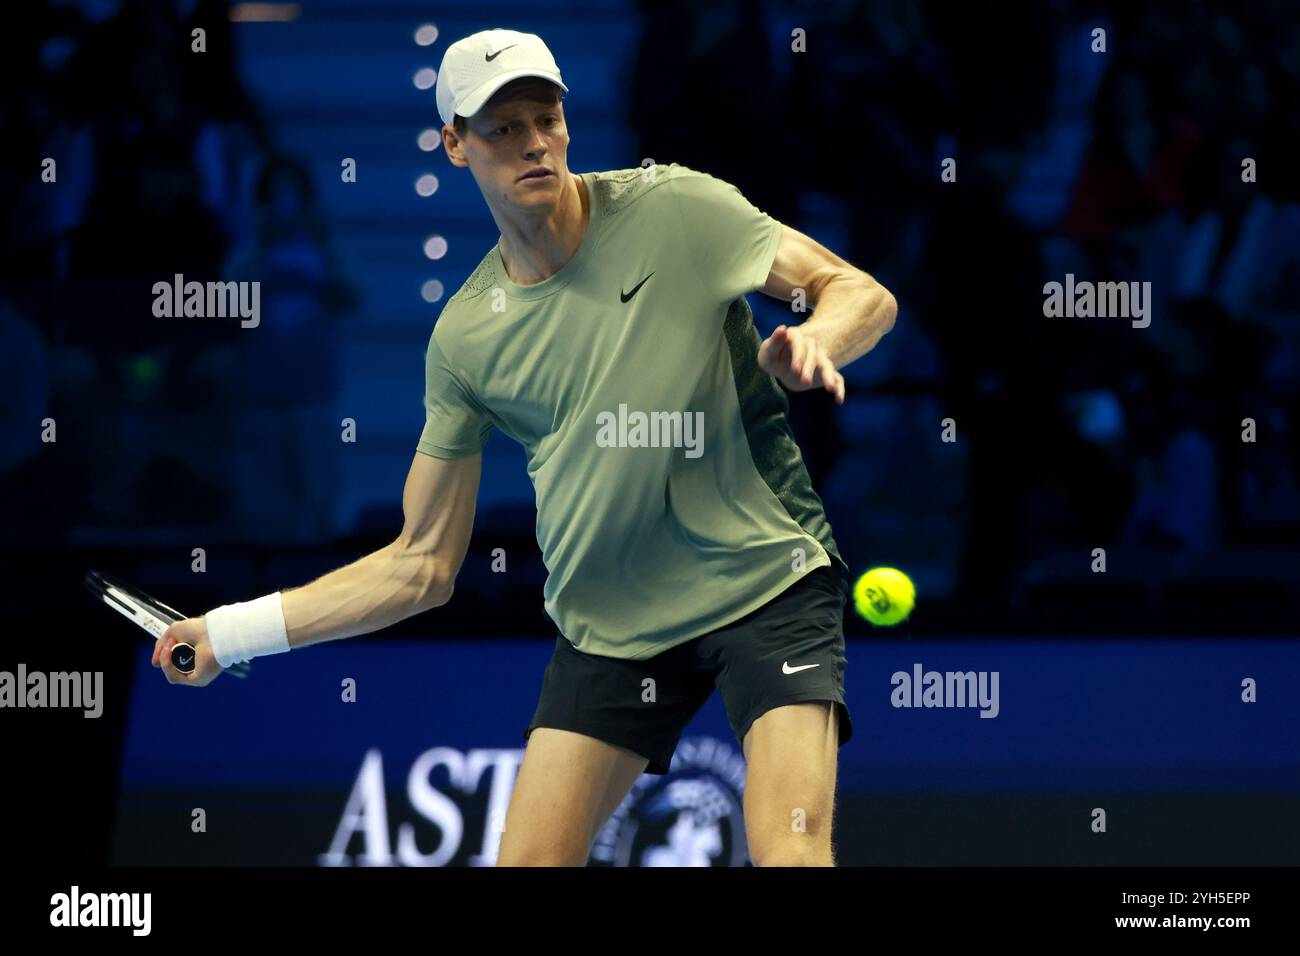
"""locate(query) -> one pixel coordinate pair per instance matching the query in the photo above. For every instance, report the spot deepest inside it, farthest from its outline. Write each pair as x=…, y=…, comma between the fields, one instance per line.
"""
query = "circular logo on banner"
x=690, y=816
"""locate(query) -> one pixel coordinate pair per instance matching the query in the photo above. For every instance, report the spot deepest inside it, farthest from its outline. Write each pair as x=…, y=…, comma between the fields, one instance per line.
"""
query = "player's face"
x=519, y=151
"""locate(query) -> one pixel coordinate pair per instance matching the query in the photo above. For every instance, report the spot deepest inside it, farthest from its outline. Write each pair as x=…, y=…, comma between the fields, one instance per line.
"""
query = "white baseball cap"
x=477, y=66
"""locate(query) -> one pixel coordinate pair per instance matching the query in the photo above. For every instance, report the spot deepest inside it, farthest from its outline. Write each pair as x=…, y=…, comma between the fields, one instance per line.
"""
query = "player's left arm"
x=851, y=311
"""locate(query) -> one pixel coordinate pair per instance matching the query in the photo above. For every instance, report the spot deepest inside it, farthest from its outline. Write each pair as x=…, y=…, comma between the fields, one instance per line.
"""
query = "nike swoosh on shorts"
x=787, y=669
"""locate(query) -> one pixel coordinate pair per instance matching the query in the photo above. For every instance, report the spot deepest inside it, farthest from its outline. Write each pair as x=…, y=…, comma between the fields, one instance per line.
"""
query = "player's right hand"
x=192, y=631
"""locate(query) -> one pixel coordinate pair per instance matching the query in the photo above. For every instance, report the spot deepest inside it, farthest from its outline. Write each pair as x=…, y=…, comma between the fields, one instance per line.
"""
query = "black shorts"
x=789, y=650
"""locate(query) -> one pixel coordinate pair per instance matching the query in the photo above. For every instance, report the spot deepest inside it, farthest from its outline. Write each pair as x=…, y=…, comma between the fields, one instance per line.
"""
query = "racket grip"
x=183, y=657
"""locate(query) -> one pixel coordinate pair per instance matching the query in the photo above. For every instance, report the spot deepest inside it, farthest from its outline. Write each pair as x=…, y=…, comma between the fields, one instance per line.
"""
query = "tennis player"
x=607, y=332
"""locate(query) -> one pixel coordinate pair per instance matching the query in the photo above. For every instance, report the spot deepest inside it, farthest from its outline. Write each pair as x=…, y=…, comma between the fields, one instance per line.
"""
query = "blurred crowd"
x=163, y=165
x=1115, y=166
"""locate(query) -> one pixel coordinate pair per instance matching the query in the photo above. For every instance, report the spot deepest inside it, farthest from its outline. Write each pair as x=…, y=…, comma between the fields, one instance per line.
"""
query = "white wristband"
x=240, y=632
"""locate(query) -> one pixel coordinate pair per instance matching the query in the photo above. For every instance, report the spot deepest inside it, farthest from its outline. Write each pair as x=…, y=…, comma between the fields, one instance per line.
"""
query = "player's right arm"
x=414, y=573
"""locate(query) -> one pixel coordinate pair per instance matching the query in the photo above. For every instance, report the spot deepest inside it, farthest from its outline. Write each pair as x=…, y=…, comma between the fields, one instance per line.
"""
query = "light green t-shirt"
x=671, y=496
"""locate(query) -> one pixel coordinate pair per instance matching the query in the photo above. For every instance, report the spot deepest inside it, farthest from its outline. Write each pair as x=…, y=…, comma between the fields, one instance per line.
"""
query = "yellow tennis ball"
x=884, y=596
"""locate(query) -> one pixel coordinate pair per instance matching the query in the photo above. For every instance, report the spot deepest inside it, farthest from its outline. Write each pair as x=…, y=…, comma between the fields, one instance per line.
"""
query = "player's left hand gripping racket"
x=152, y=615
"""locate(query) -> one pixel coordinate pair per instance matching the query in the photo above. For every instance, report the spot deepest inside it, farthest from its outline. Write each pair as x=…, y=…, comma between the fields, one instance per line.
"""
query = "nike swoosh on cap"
x=492, y=56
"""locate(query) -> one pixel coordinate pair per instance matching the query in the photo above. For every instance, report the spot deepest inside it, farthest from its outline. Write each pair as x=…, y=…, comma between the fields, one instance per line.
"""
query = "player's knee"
x=523, y=852
x=541, y=856
x=804, y=840
x=796, y=850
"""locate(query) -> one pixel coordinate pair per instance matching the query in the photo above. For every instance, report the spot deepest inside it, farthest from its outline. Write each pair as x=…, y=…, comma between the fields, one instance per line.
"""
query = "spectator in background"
x=286, y=441
x=1134, y=169
x=721, y=47
x=233, y=138
x=122, y=90
x=1235, y=243
x=1002, y=363
x=1177, y=500
x=1189, y=454
x=24, y=402
x=37, y=214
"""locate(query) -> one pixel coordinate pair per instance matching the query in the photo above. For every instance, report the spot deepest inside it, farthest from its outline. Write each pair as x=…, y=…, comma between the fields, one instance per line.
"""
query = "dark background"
x=1072, y=434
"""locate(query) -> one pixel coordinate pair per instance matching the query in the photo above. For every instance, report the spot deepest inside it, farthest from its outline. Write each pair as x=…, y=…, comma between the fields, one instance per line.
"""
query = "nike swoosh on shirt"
x=625, y=296
x=492, y=56
x=787, y=669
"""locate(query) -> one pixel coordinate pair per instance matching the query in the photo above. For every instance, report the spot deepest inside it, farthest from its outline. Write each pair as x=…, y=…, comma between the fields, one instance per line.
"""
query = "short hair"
x=535, y=88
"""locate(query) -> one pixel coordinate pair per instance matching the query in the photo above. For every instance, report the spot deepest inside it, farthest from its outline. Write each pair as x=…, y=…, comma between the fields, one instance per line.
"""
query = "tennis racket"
x=151, y=615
